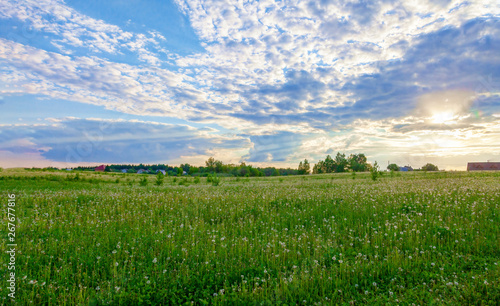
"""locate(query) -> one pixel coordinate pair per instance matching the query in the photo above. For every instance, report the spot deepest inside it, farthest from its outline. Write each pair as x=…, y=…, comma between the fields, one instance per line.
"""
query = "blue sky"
x=265, y=82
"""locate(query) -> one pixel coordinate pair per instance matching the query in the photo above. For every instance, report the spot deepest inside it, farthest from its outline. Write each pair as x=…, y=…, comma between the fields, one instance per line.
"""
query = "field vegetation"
x=127, y=239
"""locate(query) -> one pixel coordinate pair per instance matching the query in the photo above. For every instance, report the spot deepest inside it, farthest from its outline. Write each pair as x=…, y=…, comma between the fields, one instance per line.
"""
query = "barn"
x=483, y=166
x=100, y=168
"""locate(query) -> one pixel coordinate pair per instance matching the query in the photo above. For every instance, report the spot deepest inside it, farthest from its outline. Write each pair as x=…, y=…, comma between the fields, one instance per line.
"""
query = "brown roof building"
x=101, y=168
x=483, y=166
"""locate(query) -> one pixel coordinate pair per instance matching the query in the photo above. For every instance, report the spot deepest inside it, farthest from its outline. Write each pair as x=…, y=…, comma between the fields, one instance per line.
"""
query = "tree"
x=193, y=170
x=357, y=162
x=243, y=170
x=329, y=164
x=306, y=166
x=214, y=165
x=340, y=163
x=218, y=166
x=185, y=167
x=393, y=167
x=319, y=168
x=210, y=163
x=430, y=167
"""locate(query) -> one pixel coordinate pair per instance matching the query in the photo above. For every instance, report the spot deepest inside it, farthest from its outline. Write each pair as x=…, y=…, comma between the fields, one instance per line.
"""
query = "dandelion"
x=155, y=260
x=116, y=264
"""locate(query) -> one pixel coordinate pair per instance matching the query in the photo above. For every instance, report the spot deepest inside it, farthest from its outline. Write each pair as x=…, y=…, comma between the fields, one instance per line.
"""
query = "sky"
x=269, y=83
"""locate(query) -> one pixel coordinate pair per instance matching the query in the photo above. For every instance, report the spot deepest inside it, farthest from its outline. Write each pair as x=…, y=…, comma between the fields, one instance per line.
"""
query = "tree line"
x=341, y=163
x=212, y=166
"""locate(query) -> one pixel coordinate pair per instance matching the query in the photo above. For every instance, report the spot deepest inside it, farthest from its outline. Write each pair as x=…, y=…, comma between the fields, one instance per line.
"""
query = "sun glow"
x=443, y=117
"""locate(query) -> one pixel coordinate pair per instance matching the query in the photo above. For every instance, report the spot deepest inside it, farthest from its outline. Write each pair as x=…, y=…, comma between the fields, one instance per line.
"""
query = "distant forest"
x=341, y=163
x=186, y=169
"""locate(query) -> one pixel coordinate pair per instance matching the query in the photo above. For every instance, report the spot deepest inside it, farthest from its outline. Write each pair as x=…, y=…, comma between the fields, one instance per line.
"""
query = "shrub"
x=159, y=179
x=375, y=171
x=430, y=167
x=143, y=181
x=214, y=179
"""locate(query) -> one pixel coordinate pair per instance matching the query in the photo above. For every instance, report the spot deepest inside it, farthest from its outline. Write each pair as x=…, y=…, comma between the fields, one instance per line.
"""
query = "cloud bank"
x=289, y=79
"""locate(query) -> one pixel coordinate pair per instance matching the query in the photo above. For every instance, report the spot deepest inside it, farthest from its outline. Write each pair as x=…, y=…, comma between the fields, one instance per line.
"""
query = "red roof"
x=483, y=166
x=100, y=168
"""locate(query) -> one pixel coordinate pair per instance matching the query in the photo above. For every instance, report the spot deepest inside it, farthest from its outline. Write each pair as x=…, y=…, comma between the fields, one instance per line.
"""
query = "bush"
x=143, y=181
x=159, y=179
x=184, y=181
x=214, y=179
x=375, y=171
x=393, y=167
x=430, y=167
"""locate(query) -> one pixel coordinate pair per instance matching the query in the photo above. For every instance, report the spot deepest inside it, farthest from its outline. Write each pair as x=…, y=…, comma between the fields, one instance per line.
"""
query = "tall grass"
x=413, y=238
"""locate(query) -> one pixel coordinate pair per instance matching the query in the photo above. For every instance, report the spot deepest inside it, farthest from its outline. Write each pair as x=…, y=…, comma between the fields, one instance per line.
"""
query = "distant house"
x=124, y=170
x=184, y=173
x=483, y=166
x=162, y=171
x=68, y=169
x=141, y=171
x=101, y=168
x=406, y=168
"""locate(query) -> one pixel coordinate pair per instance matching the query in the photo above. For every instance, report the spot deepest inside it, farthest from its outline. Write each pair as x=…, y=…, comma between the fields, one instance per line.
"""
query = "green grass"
x=410, y=238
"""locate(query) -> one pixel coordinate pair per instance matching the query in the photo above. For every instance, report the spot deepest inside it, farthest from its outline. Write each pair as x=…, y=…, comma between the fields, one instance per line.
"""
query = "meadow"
x=108, y=239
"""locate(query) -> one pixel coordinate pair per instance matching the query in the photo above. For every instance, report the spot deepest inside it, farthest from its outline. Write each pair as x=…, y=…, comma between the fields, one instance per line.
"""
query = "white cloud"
x=78, y=30
x=301, y=62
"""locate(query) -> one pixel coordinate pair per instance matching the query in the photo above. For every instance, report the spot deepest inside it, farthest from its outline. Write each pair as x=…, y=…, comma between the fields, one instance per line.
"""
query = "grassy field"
x=99, y=239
